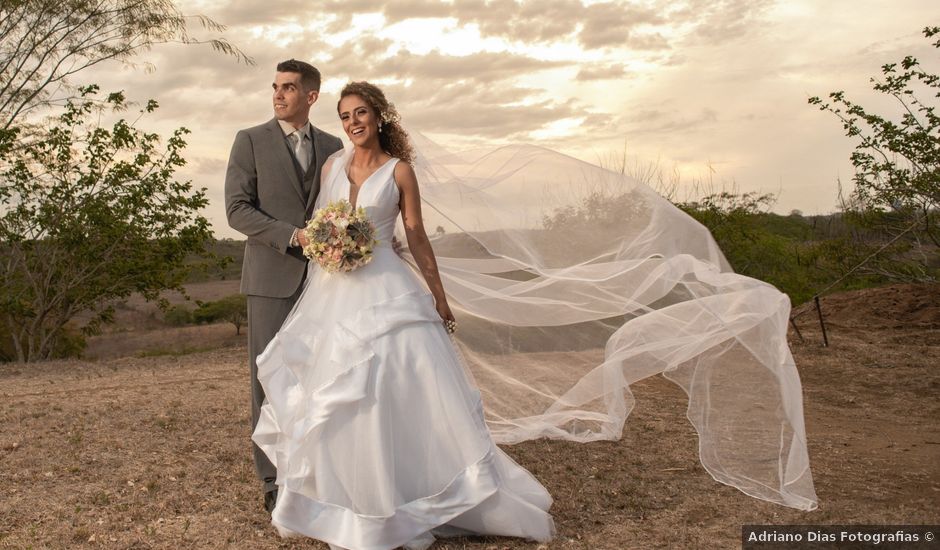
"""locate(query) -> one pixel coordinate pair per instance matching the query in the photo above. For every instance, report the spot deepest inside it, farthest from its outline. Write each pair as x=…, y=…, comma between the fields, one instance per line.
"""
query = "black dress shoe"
x=270, y=499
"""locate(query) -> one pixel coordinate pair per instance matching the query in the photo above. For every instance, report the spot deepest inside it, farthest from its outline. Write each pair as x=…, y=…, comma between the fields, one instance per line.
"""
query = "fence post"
x=822, y=323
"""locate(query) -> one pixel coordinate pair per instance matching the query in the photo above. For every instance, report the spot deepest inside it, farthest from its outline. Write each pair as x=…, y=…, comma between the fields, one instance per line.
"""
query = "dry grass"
x=139, y=328
x=153, y=453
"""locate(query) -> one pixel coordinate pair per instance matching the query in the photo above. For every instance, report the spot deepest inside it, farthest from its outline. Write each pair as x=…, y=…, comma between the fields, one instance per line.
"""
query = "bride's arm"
x=418, y=242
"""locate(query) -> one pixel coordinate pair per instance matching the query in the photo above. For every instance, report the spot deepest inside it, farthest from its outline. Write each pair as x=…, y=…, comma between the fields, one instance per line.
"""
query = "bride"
x=376, y=431
x=572, y=284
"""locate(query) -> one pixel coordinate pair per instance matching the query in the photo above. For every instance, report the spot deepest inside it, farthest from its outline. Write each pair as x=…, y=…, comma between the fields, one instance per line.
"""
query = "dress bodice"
x=378, y=194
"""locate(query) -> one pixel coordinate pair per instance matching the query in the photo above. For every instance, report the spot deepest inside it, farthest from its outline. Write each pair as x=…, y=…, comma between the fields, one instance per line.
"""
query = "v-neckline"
x=349, y=182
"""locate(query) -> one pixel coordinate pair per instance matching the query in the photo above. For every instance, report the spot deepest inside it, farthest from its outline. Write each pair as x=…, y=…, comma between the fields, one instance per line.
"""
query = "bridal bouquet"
x=340, y=238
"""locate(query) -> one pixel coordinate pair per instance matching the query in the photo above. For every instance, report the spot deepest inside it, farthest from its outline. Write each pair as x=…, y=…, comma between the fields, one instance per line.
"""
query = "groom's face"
x=291, y=102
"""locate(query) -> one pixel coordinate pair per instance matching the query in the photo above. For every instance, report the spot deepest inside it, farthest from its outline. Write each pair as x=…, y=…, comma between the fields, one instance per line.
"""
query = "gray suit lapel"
x=283, y=157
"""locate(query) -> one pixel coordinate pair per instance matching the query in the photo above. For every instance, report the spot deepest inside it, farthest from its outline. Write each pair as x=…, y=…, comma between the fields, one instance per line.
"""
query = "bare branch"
x=48, y=41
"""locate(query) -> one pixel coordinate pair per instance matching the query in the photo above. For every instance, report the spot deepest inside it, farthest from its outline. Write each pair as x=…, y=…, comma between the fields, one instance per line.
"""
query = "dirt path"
x=153, y=453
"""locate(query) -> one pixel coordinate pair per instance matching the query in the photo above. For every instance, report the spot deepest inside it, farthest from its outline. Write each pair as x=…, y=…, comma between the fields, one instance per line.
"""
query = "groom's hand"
x=397, y=246
x=301, y=237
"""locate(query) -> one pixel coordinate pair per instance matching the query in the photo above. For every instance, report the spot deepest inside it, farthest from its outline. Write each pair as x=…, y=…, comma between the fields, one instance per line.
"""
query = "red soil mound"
x=898, y=306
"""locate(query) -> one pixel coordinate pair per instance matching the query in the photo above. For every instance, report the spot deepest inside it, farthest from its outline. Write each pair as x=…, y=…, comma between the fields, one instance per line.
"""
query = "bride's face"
x=359, y=120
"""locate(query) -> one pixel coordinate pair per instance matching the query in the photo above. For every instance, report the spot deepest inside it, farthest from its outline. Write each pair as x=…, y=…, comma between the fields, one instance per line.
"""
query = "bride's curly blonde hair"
x=392, y=137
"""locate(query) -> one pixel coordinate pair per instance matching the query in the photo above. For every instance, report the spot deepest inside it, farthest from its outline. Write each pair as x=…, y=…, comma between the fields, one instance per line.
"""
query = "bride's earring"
x=380, y=127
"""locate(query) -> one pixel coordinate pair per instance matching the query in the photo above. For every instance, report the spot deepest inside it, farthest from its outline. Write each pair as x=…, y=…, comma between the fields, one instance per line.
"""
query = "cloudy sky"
x=701, y=88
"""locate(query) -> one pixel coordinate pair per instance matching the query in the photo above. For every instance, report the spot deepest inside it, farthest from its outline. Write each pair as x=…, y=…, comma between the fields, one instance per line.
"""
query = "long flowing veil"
x=571, y=282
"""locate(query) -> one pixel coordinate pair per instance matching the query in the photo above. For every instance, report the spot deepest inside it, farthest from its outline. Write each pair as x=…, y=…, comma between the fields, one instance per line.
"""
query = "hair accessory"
x=390, y=115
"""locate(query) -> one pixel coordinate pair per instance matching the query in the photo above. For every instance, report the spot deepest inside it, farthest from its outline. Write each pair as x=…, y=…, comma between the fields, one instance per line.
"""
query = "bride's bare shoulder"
x=405, y=174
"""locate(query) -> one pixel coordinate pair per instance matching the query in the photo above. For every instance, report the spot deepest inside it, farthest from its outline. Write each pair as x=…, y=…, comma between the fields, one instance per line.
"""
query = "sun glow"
x=558, y=128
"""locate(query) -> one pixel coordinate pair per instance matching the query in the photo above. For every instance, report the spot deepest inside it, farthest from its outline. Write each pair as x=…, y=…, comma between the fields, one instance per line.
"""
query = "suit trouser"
x=265, y=317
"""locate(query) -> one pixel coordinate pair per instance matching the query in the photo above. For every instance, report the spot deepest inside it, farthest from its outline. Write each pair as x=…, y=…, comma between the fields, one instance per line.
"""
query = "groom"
x=271, y=183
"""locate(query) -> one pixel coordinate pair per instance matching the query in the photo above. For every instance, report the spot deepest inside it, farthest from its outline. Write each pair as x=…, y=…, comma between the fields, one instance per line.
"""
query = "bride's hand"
x=447, y=316
x=444, y=310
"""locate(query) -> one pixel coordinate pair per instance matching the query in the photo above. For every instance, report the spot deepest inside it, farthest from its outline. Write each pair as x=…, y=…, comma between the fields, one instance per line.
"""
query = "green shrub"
x=178, y=315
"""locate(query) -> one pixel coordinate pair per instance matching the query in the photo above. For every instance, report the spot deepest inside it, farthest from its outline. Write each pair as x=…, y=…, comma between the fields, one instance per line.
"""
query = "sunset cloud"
x=615, y=24
x=690, y=83
x=720, y=21
x=601, y=71
x=480, y=68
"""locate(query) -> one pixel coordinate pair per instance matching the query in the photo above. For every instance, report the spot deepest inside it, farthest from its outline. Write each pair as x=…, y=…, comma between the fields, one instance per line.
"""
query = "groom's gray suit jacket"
x=266, y=197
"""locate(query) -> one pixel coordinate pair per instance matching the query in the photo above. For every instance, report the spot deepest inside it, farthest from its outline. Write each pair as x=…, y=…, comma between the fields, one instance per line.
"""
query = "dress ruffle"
x=327, y=373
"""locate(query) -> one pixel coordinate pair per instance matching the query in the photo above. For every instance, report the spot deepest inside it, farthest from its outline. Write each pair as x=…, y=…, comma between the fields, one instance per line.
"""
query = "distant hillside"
x=231, y=249
x=798, y=254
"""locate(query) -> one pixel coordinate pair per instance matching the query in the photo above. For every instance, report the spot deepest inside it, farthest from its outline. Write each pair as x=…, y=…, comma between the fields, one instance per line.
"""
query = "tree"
x=233, y=309
x=780, y=250
x=897, y=161
x=91, y=214
x=44, y=42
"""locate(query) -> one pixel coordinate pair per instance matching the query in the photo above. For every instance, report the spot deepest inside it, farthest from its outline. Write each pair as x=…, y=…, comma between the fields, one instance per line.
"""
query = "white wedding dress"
x=374, y=424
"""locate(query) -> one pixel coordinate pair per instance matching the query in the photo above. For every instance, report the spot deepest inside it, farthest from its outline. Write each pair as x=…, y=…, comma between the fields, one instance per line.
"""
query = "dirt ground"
x=152, y=452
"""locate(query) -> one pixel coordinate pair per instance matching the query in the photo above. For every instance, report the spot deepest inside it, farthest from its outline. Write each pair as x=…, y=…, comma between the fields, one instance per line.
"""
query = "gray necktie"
x=301, y=149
